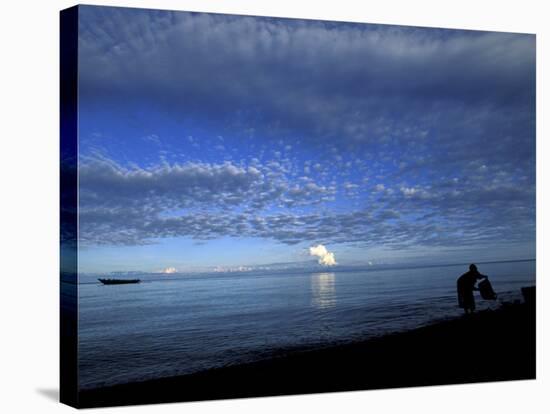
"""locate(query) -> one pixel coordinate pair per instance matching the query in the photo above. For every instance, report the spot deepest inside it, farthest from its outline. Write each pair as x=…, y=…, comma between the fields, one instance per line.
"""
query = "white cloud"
x=409, y=191
x=326, y=258
x=169, y=270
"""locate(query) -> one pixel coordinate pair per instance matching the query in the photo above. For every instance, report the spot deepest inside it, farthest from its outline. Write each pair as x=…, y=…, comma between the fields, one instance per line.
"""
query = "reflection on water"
x=322, y=290
x=190, y=323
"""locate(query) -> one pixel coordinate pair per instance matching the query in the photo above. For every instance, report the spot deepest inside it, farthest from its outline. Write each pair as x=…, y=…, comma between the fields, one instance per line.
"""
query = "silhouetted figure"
x=465, y=286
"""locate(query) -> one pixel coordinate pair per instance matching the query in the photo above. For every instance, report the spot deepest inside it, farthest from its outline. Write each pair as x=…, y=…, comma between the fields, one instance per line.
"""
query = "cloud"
x=133, y=205
x=477, y=215
x=107, y=184
x=326, y=258
x=169, y=270
x=438, y=126
x=277, y=75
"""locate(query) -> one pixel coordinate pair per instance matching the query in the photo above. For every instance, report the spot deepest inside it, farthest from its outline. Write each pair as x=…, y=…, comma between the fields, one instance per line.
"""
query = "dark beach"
x=494, y=345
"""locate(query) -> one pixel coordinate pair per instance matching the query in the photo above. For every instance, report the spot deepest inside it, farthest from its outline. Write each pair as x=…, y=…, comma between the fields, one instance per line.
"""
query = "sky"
x=218, y=141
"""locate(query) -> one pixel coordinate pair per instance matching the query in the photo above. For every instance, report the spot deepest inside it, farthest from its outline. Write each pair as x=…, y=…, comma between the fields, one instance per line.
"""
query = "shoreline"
x=493, y=345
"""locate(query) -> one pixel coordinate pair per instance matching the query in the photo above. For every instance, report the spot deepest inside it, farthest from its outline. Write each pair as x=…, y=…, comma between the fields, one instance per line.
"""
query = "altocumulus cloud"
x=106, y=183
x=321, y=79
x=411, y=136
x=152, y=204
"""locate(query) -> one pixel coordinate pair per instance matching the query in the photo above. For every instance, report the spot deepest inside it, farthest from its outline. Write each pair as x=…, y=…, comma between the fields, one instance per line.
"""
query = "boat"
x=118, y=281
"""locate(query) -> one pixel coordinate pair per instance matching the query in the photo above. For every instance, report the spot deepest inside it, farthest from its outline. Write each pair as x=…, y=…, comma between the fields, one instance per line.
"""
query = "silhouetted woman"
x=465, y=286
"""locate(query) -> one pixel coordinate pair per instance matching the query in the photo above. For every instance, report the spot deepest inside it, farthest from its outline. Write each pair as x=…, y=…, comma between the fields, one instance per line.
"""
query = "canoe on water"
x=118, y=281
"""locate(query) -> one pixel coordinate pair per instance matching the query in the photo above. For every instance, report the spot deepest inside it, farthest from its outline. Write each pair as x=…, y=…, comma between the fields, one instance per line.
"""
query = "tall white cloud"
x=326, y=258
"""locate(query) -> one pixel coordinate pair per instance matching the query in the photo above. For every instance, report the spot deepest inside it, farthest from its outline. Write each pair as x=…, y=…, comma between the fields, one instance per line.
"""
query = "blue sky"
x=223, y=141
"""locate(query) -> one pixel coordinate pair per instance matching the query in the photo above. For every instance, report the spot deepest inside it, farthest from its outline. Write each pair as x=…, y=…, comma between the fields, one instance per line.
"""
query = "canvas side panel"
x=68, y=207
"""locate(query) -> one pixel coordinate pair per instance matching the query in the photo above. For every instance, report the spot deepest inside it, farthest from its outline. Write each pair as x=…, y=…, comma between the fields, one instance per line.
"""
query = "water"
x=176, y=324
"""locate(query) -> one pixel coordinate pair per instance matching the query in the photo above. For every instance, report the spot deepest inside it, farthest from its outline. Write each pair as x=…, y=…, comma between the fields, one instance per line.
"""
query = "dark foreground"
x=488, y=346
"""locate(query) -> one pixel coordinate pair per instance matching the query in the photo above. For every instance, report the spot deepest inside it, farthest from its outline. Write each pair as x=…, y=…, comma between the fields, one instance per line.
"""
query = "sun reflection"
x=323, y=290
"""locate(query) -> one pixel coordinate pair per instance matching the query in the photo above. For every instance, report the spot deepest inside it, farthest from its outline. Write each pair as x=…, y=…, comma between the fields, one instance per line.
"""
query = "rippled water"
x=170, y=325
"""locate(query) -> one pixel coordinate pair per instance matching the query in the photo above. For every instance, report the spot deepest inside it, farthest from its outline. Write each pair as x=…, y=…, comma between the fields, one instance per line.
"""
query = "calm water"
x=169, y=325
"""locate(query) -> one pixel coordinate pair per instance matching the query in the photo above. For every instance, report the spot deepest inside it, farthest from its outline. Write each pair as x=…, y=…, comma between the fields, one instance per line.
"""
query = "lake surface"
x=178, y=324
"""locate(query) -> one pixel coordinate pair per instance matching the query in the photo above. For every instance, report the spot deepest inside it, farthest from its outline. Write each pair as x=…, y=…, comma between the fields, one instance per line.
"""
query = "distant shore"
x=494, y=345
